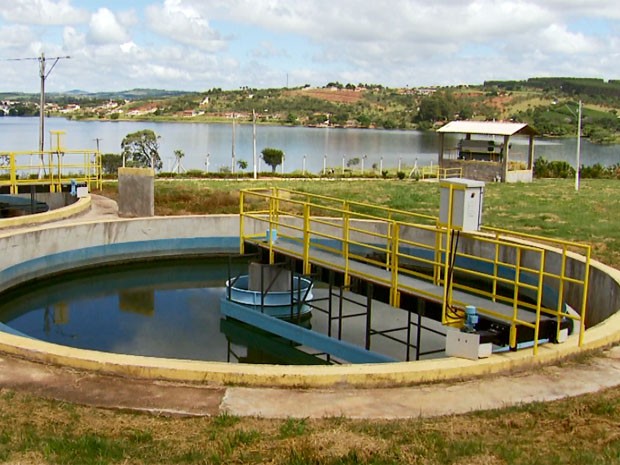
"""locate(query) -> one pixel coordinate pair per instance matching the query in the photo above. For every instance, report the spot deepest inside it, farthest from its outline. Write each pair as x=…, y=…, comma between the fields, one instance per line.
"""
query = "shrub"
x=554, y=169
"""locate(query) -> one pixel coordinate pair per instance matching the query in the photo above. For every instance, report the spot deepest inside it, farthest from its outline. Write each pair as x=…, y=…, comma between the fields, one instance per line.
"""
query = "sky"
x=196, y=45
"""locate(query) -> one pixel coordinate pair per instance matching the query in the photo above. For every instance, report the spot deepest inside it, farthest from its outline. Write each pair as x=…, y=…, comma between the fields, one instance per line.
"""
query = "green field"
x=547, y=207
x=583, y=430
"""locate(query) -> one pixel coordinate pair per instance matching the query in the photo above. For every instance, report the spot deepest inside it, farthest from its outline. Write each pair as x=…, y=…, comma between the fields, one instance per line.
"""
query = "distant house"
x=486, y=150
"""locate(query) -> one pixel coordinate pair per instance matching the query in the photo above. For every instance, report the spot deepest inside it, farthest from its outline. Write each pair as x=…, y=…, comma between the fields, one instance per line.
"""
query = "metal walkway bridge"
x=509, y=277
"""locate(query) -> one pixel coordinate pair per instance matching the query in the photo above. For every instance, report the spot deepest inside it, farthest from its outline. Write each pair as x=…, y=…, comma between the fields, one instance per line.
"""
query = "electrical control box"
x=464, y=196
x=466, y=345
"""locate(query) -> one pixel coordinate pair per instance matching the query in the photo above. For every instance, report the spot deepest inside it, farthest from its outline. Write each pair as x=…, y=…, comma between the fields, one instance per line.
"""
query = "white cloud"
x=184, y=24
x=15, y=37
x=48, y=12
x=73, y=39
x=198, y=44
x=106, y=29
x=556, y=38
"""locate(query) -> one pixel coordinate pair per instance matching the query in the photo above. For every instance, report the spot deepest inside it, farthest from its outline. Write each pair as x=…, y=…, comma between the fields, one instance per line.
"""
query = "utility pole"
x=578, y=147
x=254, y=143
x=232, y=168
x=43, y=75
x=578, y=142
x=97, y=141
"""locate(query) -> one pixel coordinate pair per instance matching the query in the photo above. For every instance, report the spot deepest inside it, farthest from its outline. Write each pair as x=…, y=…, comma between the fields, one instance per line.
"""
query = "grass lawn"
x=582, y=430
x=548, y=207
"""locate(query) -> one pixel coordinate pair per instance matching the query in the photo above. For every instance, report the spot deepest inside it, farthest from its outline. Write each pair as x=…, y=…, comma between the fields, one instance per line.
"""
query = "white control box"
x=82, y=192
x=467, y=197
x=466, y=345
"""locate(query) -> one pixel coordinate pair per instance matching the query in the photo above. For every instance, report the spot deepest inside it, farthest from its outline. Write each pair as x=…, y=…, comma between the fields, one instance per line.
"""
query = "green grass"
x=548, y=207
x=573, y=431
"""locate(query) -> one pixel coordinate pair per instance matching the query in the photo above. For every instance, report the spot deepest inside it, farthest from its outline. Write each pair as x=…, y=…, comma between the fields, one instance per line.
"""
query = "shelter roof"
x=488, y=128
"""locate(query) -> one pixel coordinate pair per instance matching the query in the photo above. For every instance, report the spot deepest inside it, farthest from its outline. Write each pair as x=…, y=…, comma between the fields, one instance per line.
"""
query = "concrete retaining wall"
x=487, y=171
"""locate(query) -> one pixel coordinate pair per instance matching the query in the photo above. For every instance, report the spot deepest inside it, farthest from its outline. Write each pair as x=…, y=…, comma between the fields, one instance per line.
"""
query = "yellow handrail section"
x=436, y=172
x=51, y=167
x=509, y=276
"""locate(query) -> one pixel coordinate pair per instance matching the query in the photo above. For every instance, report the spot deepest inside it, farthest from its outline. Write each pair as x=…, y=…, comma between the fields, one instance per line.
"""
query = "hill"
x=547, y=104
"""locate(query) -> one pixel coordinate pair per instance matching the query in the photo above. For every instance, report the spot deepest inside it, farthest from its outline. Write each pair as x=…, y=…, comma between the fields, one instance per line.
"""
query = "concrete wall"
x=51, y=249
x=520, y=176
x=136, y=192
x=486, y=171
x=55, y=200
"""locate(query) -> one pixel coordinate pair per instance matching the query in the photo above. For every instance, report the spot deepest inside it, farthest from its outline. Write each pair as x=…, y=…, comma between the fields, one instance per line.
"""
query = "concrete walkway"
x=113, y=392
x=101, y=390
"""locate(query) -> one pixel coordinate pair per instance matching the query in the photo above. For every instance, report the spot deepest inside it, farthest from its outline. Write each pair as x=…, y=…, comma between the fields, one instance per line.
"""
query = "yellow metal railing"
x=53, y=168
x=436, y=172
x=510, y=269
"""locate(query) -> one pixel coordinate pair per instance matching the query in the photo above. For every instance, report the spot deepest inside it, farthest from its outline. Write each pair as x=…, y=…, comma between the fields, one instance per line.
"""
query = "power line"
x=43, y=75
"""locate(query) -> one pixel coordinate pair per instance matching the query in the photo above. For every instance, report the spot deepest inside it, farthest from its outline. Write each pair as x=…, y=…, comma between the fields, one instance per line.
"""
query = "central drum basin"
x=280, y=304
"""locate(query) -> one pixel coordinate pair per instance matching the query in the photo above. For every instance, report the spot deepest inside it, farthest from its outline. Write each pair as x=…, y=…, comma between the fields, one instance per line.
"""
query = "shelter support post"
x=441, y=149
x=505, y=158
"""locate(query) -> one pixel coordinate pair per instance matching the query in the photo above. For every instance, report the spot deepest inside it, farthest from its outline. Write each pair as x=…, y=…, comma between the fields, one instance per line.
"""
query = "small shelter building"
x=486, y=152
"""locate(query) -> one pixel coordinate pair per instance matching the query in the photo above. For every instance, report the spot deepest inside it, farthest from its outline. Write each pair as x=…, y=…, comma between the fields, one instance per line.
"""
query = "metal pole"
x=578, y=147
x=232, y=167
x=369, y=293
x=254, y=143
x=42, y=106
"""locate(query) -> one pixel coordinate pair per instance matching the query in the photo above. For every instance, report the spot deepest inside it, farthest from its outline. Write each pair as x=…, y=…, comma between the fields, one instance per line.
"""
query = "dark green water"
x=171, y=309
x=155, y=308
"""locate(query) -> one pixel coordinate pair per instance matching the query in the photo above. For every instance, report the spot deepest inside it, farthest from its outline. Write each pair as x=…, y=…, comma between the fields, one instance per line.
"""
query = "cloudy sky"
x=201, y=44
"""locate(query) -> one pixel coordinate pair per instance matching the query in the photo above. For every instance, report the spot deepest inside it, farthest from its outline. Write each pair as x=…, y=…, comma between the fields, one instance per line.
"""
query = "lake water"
x=312, y=147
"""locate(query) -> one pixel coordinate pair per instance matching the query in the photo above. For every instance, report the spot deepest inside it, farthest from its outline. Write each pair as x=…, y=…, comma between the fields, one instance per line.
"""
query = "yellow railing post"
x=13, y=174
x=306, y=232
x=539, y=294
x=394, y=292
x=584, y=299
x=345, y=242
x=273, y=214
x=495, y=269
x=560, y=304
x=241, y=223
x=515, y=299
x=446, y=264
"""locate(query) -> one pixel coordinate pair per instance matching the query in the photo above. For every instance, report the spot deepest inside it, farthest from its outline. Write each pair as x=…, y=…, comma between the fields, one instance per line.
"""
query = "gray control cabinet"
x=467, y=197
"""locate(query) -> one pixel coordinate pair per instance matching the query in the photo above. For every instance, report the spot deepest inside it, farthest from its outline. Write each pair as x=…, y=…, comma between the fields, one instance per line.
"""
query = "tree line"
x=140, y=149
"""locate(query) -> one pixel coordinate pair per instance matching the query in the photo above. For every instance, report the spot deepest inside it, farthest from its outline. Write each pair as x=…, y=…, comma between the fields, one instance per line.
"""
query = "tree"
x=273, y=157
x=353, y=162
x=178, y=165
x=142, y=149
x=111, y=162
x=242, y=164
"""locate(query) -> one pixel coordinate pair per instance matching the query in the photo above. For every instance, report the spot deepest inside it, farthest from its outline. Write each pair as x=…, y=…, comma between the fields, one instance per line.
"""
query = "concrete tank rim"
x=82, y=205
x=394, y=374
